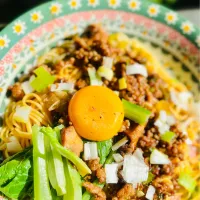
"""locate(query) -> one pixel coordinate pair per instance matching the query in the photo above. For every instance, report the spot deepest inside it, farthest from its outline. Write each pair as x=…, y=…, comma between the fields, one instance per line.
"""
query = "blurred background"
x=10, y=9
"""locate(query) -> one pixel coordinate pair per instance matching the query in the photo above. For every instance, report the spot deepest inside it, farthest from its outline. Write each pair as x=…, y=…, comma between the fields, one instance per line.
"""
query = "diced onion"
x=181, y=99
x=122, y=83
x=159, y=158
x=62, y=87
x=13, y=146
x=136, y=69
x=26, y=86
x=107, y=62
x=111, y=173
x=135, y=169
x=150, y=192
x=117, y=157
x=120, y=143
x=90, y=151
x=105, y=72
x=140, y=193
x=94, y=78
x=22, y=114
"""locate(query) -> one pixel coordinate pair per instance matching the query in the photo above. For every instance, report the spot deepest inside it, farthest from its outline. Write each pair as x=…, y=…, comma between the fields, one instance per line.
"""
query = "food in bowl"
x=99, y=117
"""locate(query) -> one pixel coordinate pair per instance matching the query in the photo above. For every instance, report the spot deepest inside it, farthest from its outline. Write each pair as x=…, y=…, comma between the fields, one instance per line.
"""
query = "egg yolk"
x=96, y=112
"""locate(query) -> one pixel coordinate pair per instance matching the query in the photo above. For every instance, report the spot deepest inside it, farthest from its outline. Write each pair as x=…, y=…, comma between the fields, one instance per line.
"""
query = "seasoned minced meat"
x=95, y=190
x=17, y=91
x=97, y=170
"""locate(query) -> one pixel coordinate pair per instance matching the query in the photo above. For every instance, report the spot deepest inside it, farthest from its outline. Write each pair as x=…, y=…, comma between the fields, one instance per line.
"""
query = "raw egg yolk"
x=96, y=112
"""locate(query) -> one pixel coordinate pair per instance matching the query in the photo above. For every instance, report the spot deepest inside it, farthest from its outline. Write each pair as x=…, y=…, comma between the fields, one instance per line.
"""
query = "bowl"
x=172, y=38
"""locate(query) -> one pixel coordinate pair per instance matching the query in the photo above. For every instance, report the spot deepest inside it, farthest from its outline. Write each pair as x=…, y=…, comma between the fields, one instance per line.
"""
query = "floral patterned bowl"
x=173, y=39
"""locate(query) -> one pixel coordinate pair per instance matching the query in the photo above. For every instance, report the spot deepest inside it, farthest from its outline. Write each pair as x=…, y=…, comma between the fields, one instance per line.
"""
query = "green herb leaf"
x=104, y=149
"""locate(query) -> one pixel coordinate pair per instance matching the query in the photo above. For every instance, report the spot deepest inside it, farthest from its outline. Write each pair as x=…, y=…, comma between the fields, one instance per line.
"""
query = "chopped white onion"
x=90, y=150
x=135, y=169
x=140, y=193
x=117, y=157
x=181, y=99
x=26, y=86
x=159, y=158
x=188, y=141
x=62, y=87
x=111, y=173
x=150, y=192
x=22, y=114
x=94, y=78
x=136, y=68
x=13, y=146
x=105, y=72
x=120, y=143
x=107, y=62
x=164, y=122
x=195, y=110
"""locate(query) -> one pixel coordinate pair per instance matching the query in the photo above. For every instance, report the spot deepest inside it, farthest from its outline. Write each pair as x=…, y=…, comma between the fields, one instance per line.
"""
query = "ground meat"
x=134, y=134
x=17, y=91
x=125, y=193
x=101, y=175
x=81, y=83
x=164, y=185
x=95, y=32
x=97, y=170
x=150, y=139
x=157, y=86
x=94, y=164
x=95, y=190
x=136, y=89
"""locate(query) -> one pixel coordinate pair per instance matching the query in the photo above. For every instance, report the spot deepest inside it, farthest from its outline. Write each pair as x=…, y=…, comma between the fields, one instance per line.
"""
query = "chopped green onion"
x=94, y=78
x=43, y=79
x=187, y=181
x=122, y=83
x=105, y=72
x=41, y=182
x=150, y=178
x=136, y=113
x=78, y=162
x=168, y=136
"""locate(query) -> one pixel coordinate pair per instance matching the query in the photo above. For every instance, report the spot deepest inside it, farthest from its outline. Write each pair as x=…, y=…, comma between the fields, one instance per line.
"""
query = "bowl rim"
x=191, y=37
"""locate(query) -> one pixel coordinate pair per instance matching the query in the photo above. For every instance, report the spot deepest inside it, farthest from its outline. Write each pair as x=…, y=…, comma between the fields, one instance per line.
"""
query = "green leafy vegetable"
x=16, y=174
x=78, y=162
x=104, y=149
x=186, y=180
x=41, y=182
x=55, y=167
x=168, y=136
x=136, y=113
x=43, y=79
x=74, y=185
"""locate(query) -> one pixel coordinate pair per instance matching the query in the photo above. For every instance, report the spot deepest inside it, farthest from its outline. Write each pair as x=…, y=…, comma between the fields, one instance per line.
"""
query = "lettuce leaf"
x=104, y=148
x=16, y=174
